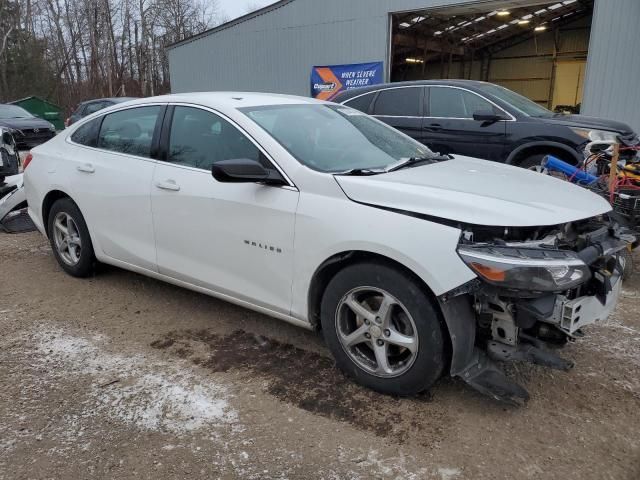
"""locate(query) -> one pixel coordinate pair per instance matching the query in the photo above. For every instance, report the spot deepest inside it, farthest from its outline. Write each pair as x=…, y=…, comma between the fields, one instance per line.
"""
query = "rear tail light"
x=27, y=161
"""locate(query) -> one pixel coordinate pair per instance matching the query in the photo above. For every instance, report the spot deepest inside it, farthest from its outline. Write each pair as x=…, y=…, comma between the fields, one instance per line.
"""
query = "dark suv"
x=483, y=120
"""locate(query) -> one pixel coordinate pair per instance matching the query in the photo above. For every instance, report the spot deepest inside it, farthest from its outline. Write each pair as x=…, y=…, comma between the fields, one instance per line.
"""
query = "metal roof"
x=463, y=27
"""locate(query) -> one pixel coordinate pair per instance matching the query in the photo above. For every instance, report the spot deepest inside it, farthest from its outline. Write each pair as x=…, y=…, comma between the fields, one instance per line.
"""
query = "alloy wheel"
x=67, y=239
x=377, y=332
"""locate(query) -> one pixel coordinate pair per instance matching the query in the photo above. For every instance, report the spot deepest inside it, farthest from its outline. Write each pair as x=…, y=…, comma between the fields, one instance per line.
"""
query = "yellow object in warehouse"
x=633, y=169
x=630, y=172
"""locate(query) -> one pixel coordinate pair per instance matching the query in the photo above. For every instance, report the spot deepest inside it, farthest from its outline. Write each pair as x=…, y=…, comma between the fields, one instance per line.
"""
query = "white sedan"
x=411, y=263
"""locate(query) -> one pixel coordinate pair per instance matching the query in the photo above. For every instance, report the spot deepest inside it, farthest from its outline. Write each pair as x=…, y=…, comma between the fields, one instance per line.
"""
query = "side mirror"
x=7, y=139
x=487, y=116
x=243, y=170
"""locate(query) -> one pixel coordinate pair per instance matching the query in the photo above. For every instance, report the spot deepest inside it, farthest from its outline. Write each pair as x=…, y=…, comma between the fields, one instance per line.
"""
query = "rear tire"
x=70, y=240
x=395, y=343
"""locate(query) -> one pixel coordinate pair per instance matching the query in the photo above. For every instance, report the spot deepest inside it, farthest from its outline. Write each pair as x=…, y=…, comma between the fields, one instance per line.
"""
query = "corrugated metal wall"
x=613, y=69
x=275, y=51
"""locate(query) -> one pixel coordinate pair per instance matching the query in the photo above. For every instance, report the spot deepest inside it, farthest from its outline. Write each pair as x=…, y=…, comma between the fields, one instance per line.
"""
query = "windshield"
x=334, y=138
x=11, y=111
x=517, y=101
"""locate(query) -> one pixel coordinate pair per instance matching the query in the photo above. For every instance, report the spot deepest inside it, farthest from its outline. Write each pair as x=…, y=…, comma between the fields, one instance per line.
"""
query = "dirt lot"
x=120, y=376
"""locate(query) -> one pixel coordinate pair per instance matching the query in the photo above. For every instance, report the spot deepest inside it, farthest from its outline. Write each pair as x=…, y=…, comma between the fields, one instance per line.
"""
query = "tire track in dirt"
x=311, y=382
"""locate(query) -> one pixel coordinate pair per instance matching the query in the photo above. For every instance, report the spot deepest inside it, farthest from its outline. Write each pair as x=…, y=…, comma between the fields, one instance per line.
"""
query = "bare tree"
x=80, y=49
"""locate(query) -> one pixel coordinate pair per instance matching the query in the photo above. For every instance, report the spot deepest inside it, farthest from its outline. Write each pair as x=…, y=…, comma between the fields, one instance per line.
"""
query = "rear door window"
x=362, y=103
x=87, y=134
x=446, y=102
x=399, y=102
x=130, y=131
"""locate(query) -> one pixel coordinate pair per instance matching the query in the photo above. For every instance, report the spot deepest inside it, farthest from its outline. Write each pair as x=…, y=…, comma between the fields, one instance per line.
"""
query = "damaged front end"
x=534, y=287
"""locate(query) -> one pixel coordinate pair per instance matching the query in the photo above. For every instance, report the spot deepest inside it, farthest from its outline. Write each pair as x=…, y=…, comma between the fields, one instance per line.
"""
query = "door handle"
x=168, y=185
x=434, y=127
x=86, y=168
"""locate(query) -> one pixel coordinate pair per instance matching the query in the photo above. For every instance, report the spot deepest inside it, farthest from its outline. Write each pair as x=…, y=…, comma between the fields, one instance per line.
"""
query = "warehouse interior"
x=539, y=50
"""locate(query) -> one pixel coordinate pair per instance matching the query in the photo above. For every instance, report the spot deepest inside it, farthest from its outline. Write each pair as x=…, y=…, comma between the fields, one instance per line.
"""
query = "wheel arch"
x=52, y=197
x=49, y=199
x=562, y=151
x=332, y=265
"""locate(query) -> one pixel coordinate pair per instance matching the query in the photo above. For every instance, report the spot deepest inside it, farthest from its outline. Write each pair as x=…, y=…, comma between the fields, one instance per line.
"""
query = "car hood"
x=22, y=123
x=583, y=121
x=477, y=192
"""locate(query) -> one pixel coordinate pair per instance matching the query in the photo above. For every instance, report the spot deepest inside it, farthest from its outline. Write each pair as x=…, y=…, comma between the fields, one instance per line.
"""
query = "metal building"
x=592, y=61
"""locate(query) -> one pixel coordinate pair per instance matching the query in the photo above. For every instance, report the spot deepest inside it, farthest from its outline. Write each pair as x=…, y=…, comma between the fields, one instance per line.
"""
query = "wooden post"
x=613, y=173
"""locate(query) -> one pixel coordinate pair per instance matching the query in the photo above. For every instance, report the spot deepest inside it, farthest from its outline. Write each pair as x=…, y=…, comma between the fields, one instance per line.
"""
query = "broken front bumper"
x=572, y=315
x=488, y=324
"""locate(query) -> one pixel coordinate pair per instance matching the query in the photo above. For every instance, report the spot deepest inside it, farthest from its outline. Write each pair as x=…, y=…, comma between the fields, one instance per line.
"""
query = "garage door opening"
x=538, y=49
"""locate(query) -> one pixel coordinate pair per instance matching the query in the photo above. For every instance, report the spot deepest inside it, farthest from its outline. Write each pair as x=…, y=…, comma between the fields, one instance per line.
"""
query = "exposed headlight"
x=596, y=135
x=532, y=269
x=52, y=127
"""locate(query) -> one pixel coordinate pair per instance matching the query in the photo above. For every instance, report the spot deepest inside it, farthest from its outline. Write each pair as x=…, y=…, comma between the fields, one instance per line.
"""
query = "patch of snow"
x=7, y=444
x=622, y=343
x=389, y=467
x=619, y=343
x=156, y=401
x=449, y=473
x=150, y=394
x=65, y=346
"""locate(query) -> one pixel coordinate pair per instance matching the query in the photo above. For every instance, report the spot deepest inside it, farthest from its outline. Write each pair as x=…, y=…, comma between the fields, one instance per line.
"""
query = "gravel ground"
x=121, y=376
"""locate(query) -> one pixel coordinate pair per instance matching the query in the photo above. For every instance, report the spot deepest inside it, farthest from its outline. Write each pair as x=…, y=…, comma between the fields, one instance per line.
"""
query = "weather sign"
x=328, y=81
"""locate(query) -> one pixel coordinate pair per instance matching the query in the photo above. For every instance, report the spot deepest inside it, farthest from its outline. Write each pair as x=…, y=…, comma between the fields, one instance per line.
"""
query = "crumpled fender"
x=461, y=322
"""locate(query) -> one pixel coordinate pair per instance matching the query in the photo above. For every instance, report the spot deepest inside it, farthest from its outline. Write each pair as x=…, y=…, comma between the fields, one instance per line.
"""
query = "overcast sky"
x=235, y=8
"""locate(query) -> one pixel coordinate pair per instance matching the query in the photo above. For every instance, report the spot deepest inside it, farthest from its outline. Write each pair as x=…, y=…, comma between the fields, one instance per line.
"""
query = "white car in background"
x=314, y=213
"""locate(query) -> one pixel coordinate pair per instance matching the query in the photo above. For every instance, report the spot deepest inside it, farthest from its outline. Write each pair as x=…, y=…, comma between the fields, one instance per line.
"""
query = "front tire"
x=69, y=238
x=383, y=329
x=533, y=162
